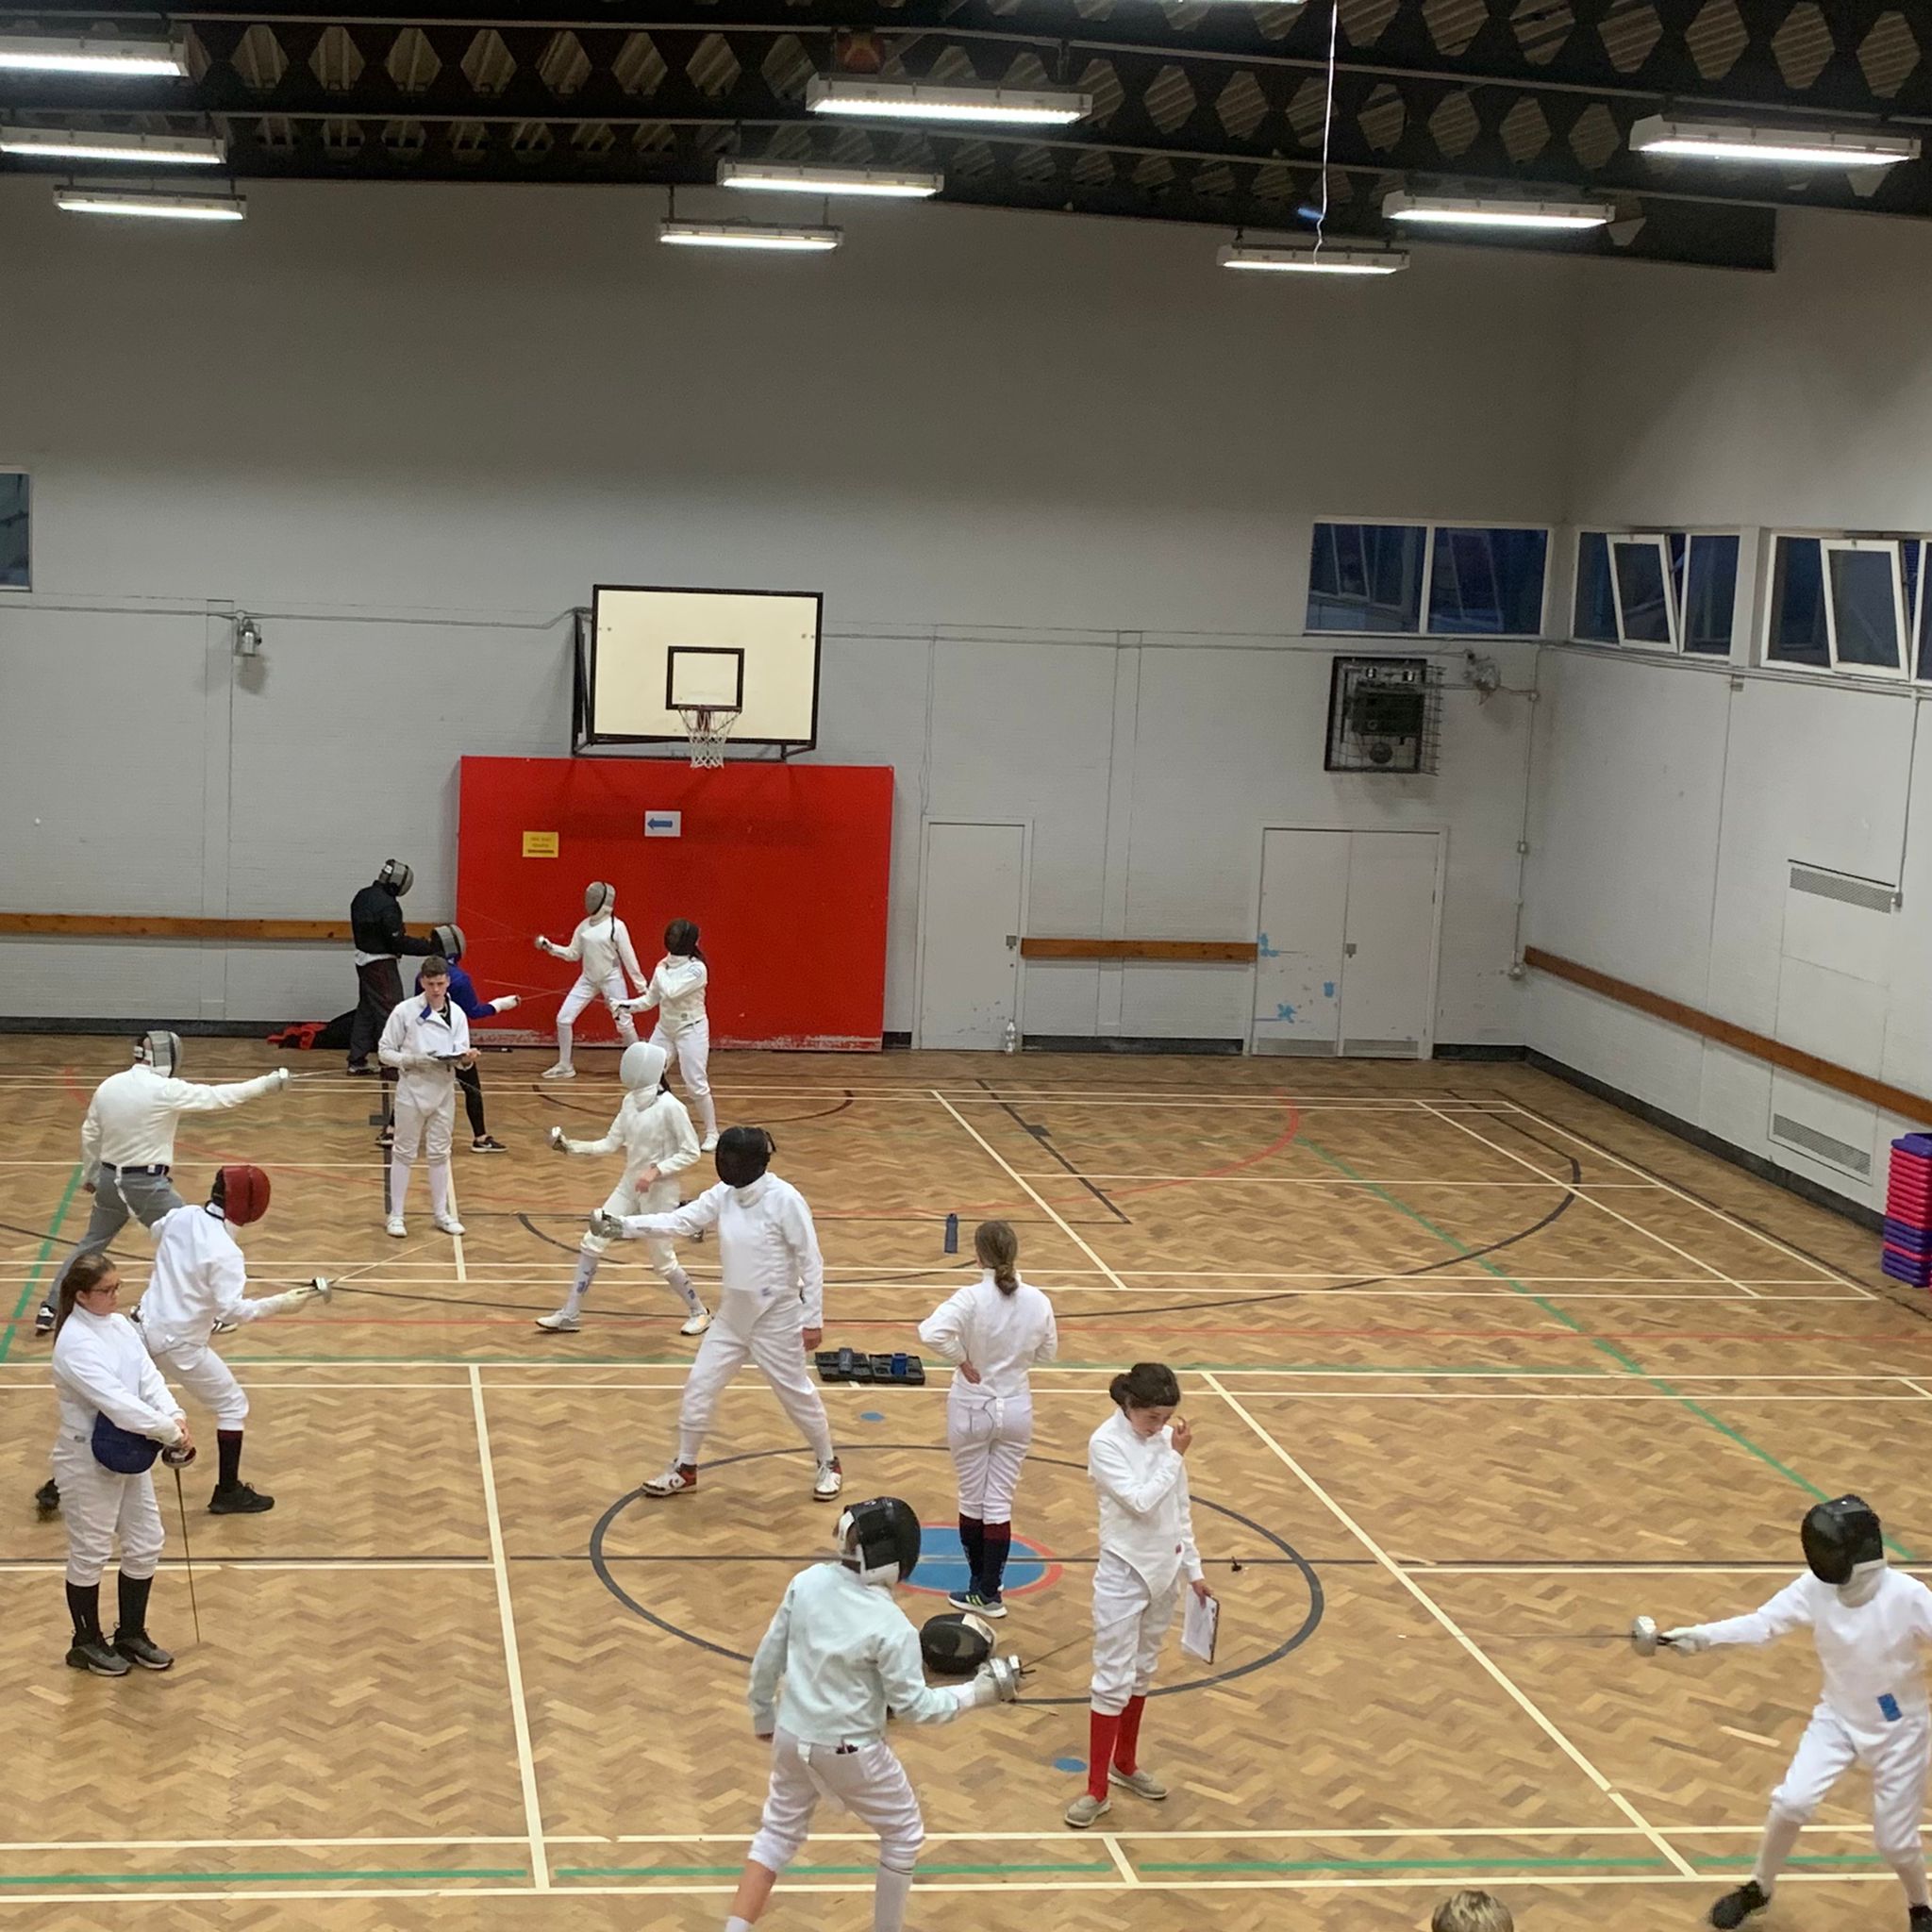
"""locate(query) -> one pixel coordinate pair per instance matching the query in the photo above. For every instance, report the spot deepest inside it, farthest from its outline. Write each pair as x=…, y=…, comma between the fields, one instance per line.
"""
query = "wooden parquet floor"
x=1479, y=1366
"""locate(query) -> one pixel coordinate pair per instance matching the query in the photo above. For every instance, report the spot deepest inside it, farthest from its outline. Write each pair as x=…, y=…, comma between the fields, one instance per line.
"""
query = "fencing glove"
x=997, y=1681
x=1689, y=1638
x=607, y=1226
x=560, y=1139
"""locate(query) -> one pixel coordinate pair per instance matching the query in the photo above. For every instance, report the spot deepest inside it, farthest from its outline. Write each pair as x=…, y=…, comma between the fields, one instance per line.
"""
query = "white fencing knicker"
x=610, y=989
x=773, y=1344
x=1898, y=1762
x=692, y=1049
x=426, y=1125
x=871, y=1783
x=204, y=1375
x=97, y=1506
x=1130, y=1623
x=989, y=1435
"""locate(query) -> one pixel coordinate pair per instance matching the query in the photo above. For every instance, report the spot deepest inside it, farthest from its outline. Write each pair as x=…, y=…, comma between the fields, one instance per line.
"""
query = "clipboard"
x=1200, y=1626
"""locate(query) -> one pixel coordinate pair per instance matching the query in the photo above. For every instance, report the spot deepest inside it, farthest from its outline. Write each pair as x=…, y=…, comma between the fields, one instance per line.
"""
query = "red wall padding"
x=784, y=868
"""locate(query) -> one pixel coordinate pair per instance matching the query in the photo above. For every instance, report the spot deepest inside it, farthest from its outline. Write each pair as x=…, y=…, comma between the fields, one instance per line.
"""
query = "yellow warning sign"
x=540, y=844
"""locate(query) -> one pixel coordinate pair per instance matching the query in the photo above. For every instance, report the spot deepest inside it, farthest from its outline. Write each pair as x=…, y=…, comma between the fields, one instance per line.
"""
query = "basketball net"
x=708, y=727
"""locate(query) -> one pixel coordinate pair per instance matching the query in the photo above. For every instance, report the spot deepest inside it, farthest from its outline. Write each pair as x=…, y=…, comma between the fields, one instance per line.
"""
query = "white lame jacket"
x=1002, y=1335
x=600, y=947
x=1873, y=1674
x=848, y=1656
x=131, y=1120
x=102, y=1366
x=417, y=1041
x=677, y=991
x=768, y=1250
x=650, y=1130
x=200, y=1278
x=1145, y=1517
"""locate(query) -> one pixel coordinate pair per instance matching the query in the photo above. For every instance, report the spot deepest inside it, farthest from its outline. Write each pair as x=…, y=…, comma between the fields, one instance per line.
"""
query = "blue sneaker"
x=981, y=1605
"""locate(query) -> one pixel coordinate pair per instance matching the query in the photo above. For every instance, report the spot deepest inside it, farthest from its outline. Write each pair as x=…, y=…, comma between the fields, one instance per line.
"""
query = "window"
x=1796, y=633
x=14, y=550
x=1854, y=604
x=1657, y=590
x=1596, y=604
x=1865, y=610
x=1646, y=590
x=1710, y=597
x=1480, y=582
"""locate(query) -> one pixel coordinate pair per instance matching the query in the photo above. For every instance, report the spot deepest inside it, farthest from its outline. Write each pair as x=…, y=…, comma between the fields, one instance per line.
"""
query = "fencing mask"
x=396, y=877
x=743, y=1156
x=1841, y=1534
x=880, y=1539
x=681, y=939
x=598, y=899
x=240, y=1193
x=641, y=1069
x=160, y=1051
x=449, y=942
x=955, y=1644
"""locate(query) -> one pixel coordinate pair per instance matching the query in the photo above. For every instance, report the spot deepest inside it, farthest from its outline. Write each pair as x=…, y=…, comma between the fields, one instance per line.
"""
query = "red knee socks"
x=1127, y=1740
x=1103, y=1727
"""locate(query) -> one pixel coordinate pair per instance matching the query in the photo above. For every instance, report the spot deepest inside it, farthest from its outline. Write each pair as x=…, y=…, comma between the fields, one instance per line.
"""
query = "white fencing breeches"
x=988, y=1436
x=1130, y=1623
x=609, y=990
x=206, y=1377
x=771, y=1344
x=425, y=1127
x=692, y=1049
x=97, y=1506
x=867, y=1780
x=660, y=1197
x=1898, y=1763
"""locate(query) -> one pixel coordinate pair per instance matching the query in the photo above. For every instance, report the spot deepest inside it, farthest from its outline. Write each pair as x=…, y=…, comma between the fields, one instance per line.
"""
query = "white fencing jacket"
x=417, y=1042
x=848, y=1656
x=677, y=991
x=101, y=1367
x=601, y=945
x=200, y=1278
x=1145, y=1517
x=132, y=1118
x=768, y=1250
x=1001, y=1335
x=652, y=1130
x=1873, y=1675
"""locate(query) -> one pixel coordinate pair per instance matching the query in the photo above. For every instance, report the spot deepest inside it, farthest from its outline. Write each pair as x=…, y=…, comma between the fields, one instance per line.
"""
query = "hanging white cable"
x=1327, y=121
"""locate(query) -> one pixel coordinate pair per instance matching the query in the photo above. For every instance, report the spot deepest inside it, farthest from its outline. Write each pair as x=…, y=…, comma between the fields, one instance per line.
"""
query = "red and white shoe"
x=678, y=1480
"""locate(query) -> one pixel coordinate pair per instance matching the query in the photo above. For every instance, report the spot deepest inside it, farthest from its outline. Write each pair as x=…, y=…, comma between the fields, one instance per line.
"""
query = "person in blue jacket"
x=462, y=990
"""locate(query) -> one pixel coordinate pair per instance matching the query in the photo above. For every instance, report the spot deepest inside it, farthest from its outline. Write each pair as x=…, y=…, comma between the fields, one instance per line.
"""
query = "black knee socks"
x=996, y=1538
x=973, y=1540
x=84, y=1607
x=228, y=1454
x=134, y=1592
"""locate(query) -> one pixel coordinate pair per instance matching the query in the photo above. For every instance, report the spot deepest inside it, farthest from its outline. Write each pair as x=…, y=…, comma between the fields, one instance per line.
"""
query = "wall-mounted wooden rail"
x=1759, y=1046
x=1174, y=951
x=144, y=925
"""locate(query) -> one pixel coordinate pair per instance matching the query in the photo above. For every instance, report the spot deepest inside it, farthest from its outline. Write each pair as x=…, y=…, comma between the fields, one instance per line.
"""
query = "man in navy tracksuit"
x=462, y=991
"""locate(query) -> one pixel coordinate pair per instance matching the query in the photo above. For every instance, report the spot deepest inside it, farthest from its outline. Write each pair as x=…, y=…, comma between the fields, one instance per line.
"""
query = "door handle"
x=1348, y=949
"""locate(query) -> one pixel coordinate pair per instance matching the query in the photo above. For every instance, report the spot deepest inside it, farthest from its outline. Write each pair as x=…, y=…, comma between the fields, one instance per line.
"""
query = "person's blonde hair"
x=1473, y=1911
x=998, y=1248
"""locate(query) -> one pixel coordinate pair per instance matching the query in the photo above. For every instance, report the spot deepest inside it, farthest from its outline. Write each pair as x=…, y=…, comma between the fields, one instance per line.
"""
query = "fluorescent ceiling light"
x=1495, y=212
x=33, y=54
x=903, y=100
x=809, y=177
x=1737, y=141
x=72, y=144
x=749, y=235
x=1296, y=259
x=172, y=208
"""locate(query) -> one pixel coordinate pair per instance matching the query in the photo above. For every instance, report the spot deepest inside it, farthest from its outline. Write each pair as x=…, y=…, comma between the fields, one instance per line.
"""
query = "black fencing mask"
x=743, y=1156
x=955, y=1644
x=880, y=1539
x=1841, y=1534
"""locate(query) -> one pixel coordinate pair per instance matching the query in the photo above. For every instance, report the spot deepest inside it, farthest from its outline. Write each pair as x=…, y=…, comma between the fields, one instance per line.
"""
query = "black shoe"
x=47, y=1499
x=1919, y=1919
x=237, y=1499
x=140, y=1648
x=96, y=1654
x=387, y=1138
x=360, y=1068
x=486, y=1144
x=1735, y=1906
x=44, y=1319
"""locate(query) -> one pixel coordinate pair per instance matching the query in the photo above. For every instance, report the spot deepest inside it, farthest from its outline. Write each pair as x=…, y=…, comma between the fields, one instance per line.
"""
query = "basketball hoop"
x=708, y=727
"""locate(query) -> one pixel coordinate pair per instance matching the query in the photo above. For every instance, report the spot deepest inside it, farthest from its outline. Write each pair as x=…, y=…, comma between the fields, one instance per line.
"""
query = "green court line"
x=251, y=1877
x=1498, y=1864
x=812, y=1871
x=26, y=1294
x=1628, y=1362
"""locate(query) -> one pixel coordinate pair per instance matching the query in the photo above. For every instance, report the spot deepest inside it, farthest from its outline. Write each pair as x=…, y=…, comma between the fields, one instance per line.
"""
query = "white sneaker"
x=562, y=1070
x=1084, y=1809
x=698, y=1323
x=831, y=1480
x=709, y=1143
x=448, y=1223
x=562, y=1323
x=675, y=1480
x=397, y=1227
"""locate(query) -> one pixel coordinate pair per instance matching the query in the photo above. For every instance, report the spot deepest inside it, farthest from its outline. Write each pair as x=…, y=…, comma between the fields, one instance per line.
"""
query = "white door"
x=1346, y=959
x=969, y=935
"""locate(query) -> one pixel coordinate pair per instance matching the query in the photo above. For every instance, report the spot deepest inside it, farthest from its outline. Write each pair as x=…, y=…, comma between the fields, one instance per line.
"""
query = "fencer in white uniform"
x=676, y=989
x=992, y=1331
x=654, y=1133
x=426, y=1038
x=602, y=948
x=200, y=1278
x=1867, y=1623
x=1137, y=1462
x=771, y=1302
x=128, y=1143
x=839, y=1659
x=101, y=1370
